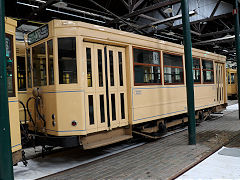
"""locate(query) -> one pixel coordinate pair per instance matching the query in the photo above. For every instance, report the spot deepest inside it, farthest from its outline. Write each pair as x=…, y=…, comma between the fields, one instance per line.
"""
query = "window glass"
x=122, y=106
x=21, y=74
x=10, y=65
x=111, y=68
x=39, y=65
x=147, y=74
x=67, y=60
x=29, y=69
x=113, y=107
x=50, y=63
x=172, y=60
x=100, y=68
x=196, y=63
x=102, y=111
x=232, y=78
x=196, y=70
x=147, y=69
x=208, y=74
x=196, y=75
x=120, y=68
x=173, y=69
x=146, y=56
x=207, y=64
x=173, y=75
x=91, y=109
x=89, y=67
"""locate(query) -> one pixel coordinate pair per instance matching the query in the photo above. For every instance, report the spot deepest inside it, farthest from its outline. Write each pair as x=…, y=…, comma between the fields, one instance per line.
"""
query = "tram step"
x=104, y=138
x=106, y=142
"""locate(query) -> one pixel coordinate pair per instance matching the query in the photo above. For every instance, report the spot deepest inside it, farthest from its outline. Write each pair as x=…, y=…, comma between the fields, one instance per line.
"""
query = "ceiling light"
x=168, y=10
x=216, y=47
x=224, y=50
x=170, y=33
x=228, y=35
x=60, y=4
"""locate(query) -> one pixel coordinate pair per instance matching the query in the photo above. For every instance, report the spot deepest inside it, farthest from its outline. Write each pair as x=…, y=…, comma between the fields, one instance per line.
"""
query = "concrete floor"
x=162, y=159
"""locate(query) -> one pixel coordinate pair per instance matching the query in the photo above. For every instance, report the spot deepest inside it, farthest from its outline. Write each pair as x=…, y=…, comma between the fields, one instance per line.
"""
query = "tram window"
x=173, y=69
x=21, y=75
x=102, y=108
x=147, y=68
x=111, y=68
x=39, y=65
x=10, y=65
x=196, y=71
x=120, y=68
x=29, y=68
x=146, y=56
x=207, y=68
x=67, y=60
x=113, y=107
x=122, y=106
x=50, y=62
x=232, y=78
x=100, y=68
x=89, y=67
x=91, y=109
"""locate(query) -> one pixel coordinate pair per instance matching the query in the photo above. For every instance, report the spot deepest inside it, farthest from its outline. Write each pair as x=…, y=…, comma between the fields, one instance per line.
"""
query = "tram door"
x=106, y=90
x=220, y=83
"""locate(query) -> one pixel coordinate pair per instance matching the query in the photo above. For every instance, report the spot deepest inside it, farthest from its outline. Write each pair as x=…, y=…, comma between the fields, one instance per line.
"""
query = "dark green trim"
x=6, y=169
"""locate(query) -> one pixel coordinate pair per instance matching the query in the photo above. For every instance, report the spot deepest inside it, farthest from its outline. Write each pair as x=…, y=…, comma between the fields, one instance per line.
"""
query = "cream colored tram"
x=10, y=28
x=232, y=83
x=95, y=85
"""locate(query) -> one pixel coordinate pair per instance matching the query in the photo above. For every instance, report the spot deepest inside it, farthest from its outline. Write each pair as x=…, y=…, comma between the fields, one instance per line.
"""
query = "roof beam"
x=146, y=9
x=43, y=7
x=125, y=4
x=206, y=20
x=133, y=26
x=216, y=41
x=137, y=4
x=165, y=20
x=212, y=14
x=217, y=33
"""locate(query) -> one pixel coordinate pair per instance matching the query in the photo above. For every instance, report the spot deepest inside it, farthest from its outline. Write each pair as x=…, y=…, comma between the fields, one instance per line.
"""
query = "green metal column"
x=237, y=44
x=6, y=169
x=189, y=73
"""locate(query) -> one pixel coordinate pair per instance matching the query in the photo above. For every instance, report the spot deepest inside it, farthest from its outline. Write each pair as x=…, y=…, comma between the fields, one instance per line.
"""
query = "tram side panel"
x=10, y=26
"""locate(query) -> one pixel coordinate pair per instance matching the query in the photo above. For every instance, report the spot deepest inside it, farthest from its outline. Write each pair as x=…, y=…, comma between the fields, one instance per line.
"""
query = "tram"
x=10, y=28
x=94, y=86
x=232, y=83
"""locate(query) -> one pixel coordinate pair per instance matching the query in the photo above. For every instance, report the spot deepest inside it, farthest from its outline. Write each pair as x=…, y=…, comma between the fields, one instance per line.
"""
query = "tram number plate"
x=138, y=92
x=38, y=34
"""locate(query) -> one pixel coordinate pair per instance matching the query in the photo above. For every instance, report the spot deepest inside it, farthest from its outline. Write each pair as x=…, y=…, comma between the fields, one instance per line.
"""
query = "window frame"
x=15, y=90
x=44, y=42
x=213, y=70
x=171, y=53
x=144, y=64
x=57, y=79
x=200, y=69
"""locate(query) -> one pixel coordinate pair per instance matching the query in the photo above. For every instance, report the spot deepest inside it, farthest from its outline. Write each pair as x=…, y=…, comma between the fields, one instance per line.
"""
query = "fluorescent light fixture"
x=168, y=10
x=60, y=12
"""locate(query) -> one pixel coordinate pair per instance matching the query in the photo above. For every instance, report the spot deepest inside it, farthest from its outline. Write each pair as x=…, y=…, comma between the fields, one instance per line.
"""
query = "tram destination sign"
x=38, y=34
